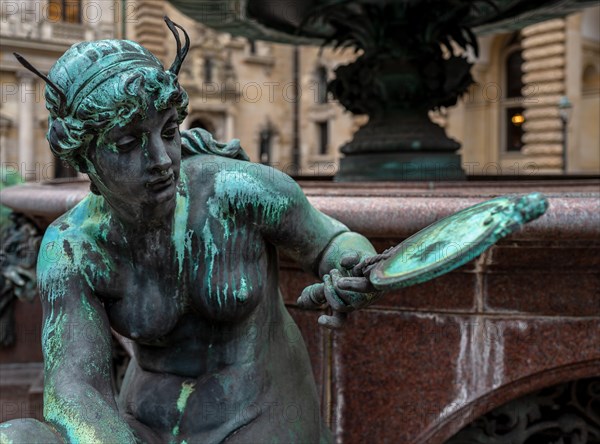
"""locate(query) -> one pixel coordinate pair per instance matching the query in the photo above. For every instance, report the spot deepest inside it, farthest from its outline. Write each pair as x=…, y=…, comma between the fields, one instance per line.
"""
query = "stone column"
x=150, y=29
x=26, y=140
x=544, y=79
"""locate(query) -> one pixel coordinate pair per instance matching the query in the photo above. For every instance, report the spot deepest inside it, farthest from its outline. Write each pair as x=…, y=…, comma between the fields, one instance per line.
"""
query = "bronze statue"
x=175, y=249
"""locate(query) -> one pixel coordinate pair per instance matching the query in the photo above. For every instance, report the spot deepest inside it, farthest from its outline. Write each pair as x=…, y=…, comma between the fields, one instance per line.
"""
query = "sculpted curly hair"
x=106, y=83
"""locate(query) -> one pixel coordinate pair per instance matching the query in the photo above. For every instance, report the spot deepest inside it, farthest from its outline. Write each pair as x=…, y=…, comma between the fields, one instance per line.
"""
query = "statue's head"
x=114, y=114
x=98, y=85
x=101, y=85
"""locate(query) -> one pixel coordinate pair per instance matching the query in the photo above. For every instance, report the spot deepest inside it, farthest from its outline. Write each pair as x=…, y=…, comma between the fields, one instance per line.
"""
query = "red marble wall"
x=427, y=360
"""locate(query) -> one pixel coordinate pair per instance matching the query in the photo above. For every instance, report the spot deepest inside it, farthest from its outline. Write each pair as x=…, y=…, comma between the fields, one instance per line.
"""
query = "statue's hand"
x=342, y=291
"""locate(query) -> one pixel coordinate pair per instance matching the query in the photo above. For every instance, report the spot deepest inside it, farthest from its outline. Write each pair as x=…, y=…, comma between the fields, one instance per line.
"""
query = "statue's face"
x=137, y=166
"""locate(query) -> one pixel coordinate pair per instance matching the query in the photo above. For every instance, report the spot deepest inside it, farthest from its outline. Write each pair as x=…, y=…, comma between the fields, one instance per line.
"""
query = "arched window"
x=590, y=81
x=64, y=10
x=512, y=98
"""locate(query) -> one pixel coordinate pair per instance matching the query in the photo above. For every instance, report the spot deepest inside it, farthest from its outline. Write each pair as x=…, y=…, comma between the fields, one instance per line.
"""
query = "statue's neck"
x=136, y=226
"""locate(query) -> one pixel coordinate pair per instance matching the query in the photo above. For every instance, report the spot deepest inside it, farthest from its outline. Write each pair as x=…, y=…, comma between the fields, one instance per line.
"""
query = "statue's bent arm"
x=78, y=396
x=319, y=243
x=290, y=222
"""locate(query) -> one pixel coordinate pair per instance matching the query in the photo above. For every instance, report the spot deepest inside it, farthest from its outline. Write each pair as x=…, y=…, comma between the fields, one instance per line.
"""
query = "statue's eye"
x=170, y=130
x=127, y=143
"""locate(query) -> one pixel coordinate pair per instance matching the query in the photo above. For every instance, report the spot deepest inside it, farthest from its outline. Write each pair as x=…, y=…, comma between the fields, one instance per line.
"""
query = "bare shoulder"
x=242, y=185
x=70, y=246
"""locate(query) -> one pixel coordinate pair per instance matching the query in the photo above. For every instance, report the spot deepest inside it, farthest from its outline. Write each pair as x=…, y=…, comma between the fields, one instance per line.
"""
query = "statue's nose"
x=158, y=157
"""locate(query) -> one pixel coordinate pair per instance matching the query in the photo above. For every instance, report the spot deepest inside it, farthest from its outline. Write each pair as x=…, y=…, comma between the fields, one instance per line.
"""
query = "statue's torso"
x=203, y=308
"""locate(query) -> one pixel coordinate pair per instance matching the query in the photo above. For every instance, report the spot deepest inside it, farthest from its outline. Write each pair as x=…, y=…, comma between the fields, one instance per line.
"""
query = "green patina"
x=179, y=235
x=241, y=293
x=455, y=240
x=52, y=337
x=66, y=255
x=187, y=388
x=236, y=193
x=240, y=190
x=210, y=251
x=66, y=415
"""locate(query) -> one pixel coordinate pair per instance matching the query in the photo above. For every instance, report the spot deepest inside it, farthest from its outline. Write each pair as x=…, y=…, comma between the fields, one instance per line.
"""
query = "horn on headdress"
x=63, y=99
x=181, y=52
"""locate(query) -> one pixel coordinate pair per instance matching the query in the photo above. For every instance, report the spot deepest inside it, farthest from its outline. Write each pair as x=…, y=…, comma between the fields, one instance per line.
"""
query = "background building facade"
x=510, y=121
x=273, y=97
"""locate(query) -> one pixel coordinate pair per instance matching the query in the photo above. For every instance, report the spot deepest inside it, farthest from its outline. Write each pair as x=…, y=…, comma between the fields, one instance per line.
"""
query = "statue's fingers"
x=332, y=297
x=359, y=284
x=333, y=322
x=359, y=293
x=312, y=297
x=350, y=259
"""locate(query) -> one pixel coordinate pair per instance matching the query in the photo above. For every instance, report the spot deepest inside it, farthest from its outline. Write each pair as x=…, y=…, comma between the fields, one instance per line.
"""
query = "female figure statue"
x=175, y=249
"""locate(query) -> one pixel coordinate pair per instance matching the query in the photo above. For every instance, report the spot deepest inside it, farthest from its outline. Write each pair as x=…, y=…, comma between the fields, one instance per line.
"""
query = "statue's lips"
x=161, y=183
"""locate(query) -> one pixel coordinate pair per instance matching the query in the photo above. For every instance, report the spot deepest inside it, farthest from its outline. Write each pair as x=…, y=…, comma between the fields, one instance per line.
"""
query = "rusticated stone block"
x=28, y=334
x=543, y=100
x=542, y=159
x=544, y=76
x=543, y=293
x=544, y=51
x=455, y=291
x=543, y=39
x=543, y=27
x=545, y=137
x=541, y=125
x=573, y=256
x=545, y=112
x=543, y=64
x=399, y=376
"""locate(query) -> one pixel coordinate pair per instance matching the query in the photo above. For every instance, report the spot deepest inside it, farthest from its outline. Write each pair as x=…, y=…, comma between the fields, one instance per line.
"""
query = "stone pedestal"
x=400, y=146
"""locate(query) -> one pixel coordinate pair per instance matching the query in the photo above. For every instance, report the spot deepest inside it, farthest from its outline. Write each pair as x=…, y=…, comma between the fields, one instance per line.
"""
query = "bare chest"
x=215, y=273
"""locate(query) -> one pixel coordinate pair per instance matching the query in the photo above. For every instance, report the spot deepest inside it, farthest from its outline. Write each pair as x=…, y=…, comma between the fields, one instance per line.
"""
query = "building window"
x=321, y=84
x=514, y=73
x=323, y=135
x=590, y=81
x=514, y=129
x=208, y=69
x=252, y=45
x=202, y=124
x=265, y=139
x=68, y=11
x=512, y=98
